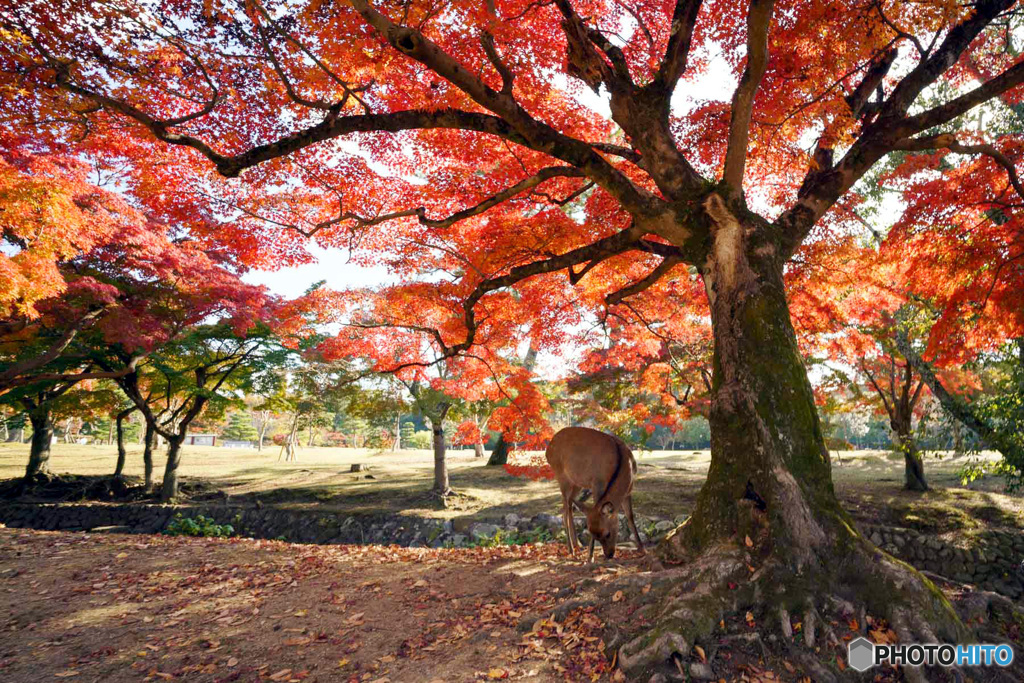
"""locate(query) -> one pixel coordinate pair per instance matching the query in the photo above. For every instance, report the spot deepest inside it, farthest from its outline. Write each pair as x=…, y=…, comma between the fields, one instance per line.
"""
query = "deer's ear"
x=607, y=508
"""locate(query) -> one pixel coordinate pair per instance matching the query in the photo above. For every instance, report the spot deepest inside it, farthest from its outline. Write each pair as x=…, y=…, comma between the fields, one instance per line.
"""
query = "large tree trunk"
x=122, y=454
x=169, y=489
x=149, y=444
x=764, y=425
x=904, y=443
x=768, y=505
x=42, y=437
x=441, y=486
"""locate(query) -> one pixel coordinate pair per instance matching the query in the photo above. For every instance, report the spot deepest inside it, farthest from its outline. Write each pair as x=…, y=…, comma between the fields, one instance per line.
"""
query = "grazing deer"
x=586, y=458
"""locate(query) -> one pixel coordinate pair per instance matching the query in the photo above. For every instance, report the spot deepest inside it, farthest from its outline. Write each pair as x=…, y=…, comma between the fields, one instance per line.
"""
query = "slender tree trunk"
x=478, y=449
x=440, y=461
x=264, y=422
x=149, y=444
x=398, y=434
x=110, y=434
x=42, y=437
x=169, y=490
x=499, y=456
x=121, y=452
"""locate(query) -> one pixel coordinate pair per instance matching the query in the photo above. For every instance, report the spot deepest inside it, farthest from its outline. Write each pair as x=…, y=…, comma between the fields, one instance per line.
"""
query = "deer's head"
x=603, y=524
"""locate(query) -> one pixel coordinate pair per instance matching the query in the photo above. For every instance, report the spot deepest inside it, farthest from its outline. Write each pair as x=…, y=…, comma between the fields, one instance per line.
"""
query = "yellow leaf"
x=495, y=674
x=700, y=653
x=617, y=596
x=342, y=662
x=789, y=667
x=233, y=661
x=748, y=542
x=420, y=584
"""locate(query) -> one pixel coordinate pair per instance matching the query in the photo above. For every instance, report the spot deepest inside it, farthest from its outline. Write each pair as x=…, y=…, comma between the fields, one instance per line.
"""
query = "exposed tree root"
x=805, y=620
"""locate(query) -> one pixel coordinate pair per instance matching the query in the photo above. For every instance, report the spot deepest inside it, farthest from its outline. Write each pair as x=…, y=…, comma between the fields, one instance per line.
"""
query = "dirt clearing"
x=93, y=607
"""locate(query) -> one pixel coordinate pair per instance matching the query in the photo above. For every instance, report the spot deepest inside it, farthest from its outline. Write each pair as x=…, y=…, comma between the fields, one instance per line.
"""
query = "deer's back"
x=588, y=458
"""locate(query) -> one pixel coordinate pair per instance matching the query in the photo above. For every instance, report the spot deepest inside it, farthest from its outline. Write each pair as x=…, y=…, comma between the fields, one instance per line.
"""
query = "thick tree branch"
x=537, y=135
x=946, y=55
x=684, y=18
x=825, y=183
x=759, y=18
x=944, y=113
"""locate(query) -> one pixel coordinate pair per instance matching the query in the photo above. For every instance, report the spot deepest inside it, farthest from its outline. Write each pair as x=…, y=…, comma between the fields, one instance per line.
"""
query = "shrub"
x=200, y=526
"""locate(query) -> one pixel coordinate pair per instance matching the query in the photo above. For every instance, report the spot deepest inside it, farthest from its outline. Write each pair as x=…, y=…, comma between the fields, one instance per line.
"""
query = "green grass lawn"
x=869, y=483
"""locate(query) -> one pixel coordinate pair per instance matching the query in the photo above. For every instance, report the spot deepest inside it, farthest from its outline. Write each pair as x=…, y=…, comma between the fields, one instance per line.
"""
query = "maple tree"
x=449, y=143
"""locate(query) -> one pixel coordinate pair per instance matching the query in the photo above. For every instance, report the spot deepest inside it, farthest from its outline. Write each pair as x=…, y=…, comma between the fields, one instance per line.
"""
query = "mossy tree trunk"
x=767, y=531
x=765, y=431
x=42, y=436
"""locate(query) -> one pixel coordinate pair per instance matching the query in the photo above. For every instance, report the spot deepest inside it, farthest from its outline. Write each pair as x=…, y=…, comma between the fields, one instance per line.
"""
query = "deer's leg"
x=590, y=556
x=566, y=520
x=632, y=523
x=570, y=527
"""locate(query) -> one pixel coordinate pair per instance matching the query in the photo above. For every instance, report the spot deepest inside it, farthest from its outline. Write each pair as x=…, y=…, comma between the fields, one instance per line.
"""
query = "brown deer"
x=586, y=458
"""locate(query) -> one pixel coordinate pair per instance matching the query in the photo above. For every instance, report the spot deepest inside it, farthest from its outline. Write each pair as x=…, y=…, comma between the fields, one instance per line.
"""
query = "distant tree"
x=240, y=428
x=408, y=429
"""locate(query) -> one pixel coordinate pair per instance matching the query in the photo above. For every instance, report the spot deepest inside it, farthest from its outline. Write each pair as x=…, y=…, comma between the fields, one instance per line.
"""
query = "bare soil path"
x=96, y=607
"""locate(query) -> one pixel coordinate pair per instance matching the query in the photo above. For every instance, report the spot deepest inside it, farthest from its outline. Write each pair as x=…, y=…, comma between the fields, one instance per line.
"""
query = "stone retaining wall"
x=990, y=559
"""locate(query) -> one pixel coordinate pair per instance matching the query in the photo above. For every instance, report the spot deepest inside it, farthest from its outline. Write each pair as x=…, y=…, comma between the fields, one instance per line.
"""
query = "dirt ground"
x=95, y=607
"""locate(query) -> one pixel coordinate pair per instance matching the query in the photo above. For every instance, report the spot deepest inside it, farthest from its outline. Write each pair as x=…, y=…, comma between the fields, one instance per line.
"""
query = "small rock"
x=511, y=519
x=664, y=525
x=658, y=678
x=482, y=530
x=876, y=538
x=458, y=540
x=702, y=671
